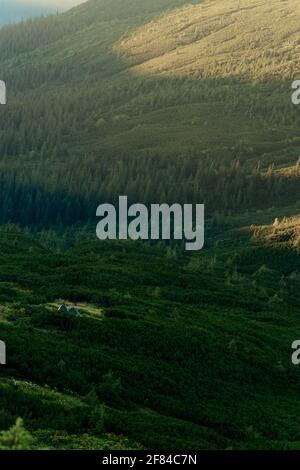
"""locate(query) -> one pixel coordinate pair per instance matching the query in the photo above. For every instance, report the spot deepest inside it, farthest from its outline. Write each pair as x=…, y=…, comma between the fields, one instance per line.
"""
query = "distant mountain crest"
x=13, y=11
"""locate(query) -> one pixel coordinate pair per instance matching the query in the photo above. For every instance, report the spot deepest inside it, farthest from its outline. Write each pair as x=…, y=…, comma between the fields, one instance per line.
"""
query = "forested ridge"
x=81, y=128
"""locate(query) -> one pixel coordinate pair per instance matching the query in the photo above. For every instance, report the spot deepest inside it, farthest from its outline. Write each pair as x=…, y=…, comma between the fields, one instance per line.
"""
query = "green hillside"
x=91, y=114
x=164, y=101
x=223, y=324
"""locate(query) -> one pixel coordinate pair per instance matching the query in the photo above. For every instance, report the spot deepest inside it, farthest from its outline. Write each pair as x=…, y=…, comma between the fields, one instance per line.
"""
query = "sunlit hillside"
x=243, y=38
x=283, y=233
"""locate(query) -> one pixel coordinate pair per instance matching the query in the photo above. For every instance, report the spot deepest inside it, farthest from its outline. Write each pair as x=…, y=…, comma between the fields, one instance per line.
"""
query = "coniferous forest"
x=164, y=101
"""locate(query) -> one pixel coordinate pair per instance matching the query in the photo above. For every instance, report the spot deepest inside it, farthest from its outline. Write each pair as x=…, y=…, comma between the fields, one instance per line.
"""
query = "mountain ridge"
x=13, y=11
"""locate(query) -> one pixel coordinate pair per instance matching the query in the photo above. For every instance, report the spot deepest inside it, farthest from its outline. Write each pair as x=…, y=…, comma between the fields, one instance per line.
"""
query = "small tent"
x=63, y=308
x=74, y=311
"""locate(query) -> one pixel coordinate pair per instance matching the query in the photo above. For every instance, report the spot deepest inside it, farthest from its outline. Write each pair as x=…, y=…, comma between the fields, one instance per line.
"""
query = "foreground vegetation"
x=218, y=374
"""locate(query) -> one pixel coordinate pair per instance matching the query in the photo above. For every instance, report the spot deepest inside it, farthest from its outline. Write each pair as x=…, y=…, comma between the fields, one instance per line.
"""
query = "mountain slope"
x=174, y=351
x=251, y=39
x=218, y=375
x=84, y=125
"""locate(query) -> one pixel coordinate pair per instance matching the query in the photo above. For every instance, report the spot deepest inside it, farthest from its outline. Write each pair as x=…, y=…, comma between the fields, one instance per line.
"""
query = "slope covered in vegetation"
x=219, y=358
x=251, y=39
x=284, y=233
x=96, y=108
x=82, y=126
